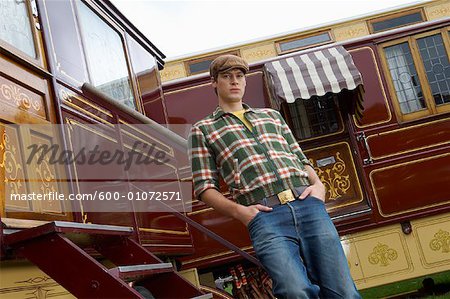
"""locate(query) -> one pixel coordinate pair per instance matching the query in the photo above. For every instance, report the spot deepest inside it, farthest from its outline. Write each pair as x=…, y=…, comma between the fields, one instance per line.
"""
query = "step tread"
x=66, y=227
x=124, y=269
x=134, y=272
x=204, y=296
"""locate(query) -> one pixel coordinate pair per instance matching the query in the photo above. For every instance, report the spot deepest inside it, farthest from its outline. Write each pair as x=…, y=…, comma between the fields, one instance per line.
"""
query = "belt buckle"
x=286, y=196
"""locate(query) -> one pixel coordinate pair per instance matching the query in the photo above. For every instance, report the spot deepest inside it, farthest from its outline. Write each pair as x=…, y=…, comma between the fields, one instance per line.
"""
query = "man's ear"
x=213, y=82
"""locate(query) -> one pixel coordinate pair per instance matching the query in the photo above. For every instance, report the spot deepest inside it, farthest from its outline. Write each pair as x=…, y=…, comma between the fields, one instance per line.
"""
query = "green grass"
x=408, y=288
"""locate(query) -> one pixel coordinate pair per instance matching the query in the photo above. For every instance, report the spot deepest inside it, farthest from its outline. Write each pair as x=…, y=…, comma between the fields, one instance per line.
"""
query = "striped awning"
x=314, y=74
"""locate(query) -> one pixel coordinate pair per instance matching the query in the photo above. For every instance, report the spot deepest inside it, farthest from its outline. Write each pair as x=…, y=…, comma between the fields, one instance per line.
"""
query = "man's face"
x=230, y=85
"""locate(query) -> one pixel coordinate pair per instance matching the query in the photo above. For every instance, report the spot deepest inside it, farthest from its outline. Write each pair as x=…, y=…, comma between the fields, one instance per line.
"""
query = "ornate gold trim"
x=67, y=97
x=400, y=165
x=440, y=241
x=22, y=100
x=200, y=211
x=357, y=182
x=382, y=254
x=164, y=231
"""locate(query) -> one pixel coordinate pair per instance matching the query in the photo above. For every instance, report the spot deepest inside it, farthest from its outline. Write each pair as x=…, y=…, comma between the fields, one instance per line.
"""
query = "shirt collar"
x=219, y=112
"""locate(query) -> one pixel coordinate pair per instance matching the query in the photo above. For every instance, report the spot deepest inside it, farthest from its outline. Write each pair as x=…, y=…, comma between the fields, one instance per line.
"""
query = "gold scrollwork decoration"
x=440, y=241
x=64, y=95
x=382, y=254
x=12, y=92
x=9, y=163
x=46, y=177
x=33, y=280
x=334, y=178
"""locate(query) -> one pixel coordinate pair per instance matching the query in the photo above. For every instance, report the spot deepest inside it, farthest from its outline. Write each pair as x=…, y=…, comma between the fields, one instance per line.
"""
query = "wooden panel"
x=24, y=96
x=336, y=169
x=405, y=187
x=42, y=179
x=13, y=170
x=410, y=139
x=376, y=108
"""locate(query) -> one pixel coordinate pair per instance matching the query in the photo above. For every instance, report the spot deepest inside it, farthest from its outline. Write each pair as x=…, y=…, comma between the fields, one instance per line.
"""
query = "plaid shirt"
x=254, y=164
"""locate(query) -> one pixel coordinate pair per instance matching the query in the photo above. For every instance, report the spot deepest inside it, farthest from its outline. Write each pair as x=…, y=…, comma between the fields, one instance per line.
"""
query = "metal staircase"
x=59, y=249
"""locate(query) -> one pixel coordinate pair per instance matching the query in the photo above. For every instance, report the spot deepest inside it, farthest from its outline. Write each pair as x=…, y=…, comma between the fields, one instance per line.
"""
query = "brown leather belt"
x=283, y=197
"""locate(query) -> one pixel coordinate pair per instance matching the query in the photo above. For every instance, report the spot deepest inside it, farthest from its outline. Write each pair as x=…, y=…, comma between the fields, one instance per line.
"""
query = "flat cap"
x=227, y=62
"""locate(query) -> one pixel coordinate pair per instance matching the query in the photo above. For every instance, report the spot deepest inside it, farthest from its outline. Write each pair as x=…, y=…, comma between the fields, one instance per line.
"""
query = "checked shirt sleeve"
x=295, y=147
x=204, y=171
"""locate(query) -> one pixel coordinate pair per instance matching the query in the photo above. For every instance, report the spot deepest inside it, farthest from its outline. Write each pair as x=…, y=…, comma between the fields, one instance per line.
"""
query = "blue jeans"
x=300, y=248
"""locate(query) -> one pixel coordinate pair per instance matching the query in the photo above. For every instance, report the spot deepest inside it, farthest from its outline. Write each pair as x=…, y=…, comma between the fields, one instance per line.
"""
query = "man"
x=279, y=197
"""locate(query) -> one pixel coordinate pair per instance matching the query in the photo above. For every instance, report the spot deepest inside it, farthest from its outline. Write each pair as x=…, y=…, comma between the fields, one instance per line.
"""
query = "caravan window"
x=419, y=72
x=315, y=117
x=15, y=28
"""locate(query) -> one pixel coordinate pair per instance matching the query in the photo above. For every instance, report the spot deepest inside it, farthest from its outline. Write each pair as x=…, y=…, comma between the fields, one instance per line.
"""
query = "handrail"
x=95, y=94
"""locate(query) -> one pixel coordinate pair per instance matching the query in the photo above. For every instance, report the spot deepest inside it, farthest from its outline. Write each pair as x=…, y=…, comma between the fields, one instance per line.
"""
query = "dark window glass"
x=305, y=42
x=200, y=67
x=397, y=22
x=405, y=78
x=314, y=117
x=437, y=68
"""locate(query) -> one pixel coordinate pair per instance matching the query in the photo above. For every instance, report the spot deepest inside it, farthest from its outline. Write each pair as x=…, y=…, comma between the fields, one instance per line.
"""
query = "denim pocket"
x=315, y=198
x=253, y=220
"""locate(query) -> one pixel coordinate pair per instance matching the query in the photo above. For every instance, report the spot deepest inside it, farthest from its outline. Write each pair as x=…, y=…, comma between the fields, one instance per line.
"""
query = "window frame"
x=393, y=16
x=38, y=43
x=431, y=108
x=122, y=35
x=284, y=110
x=281, y=52
x=188, y=63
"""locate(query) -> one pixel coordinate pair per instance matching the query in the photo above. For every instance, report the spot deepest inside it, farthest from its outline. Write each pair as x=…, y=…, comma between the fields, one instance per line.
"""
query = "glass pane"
x=106, y=57
x=64, y=33
x=304, y=42
x=435, y=60
x=199, y=67
x=146, y=71
x=316, y=116
x=405, y=79
x=397, y=22
x=15, y=27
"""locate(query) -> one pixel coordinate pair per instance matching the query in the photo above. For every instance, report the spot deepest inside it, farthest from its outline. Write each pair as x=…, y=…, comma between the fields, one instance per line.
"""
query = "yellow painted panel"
x=438, y=11
x=191, y=275
x=259, y=52
x=383, y=254
x=24, y=280
x=172, y=71
x=350, y=31
x=433, y=242
x=353, y=260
